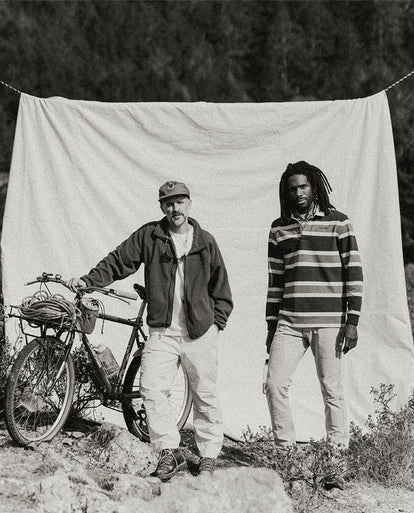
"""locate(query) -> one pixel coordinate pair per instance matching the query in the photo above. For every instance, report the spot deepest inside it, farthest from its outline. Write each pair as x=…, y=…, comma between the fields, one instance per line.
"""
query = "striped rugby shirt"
x=315, y=274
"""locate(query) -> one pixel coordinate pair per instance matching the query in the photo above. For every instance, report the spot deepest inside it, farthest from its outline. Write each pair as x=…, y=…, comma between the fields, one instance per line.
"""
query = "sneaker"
x=206, y=465
x=169, y=463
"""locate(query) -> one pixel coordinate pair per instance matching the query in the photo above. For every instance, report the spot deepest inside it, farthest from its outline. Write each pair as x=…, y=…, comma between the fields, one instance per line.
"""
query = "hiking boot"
x=169, y=463
x=206, y=466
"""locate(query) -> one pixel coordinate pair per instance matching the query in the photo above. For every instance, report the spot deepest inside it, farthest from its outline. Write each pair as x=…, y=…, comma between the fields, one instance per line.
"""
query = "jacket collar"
x=161, y=231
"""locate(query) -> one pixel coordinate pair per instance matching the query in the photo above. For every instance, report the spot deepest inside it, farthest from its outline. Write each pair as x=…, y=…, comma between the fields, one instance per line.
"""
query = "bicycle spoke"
x=42, y=391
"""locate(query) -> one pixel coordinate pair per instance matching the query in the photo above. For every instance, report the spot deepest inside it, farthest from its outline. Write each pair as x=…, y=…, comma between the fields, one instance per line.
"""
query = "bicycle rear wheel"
x=39, y=391
x=134, y=411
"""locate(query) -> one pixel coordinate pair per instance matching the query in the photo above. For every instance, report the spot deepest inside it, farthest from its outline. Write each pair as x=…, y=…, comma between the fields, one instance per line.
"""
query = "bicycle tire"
x=134, y=410
x=37, y=400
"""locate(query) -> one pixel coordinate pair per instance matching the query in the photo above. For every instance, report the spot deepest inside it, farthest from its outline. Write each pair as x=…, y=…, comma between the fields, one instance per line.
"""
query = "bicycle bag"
x=89, y=309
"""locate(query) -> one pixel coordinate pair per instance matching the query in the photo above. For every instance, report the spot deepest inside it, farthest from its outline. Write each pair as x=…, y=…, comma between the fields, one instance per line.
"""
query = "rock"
x=241, y=490
x=11, y=486
x=52, y=461
x=53, y=494
x=155, y=484
x=61, y=493
x=77, y=434
x=125, y=485
x=118, y=450
x=108, y=470
x=367, y=500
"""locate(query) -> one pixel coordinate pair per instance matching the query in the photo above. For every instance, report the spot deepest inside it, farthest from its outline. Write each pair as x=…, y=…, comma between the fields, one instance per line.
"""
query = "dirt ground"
x=21, y=466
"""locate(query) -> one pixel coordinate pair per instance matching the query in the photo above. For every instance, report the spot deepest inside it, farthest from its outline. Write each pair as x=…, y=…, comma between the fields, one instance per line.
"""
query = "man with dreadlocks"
x=314, y=297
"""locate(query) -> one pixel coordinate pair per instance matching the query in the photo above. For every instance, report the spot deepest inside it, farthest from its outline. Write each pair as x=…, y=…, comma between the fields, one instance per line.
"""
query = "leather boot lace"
x=206, y=465
x=167, y=459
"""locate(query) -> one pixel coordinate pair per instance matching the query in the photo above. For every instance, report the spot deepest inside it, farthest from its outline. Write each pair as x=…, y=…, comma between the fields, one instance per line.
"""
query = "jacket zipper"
x=172, y=284
x=185, y=294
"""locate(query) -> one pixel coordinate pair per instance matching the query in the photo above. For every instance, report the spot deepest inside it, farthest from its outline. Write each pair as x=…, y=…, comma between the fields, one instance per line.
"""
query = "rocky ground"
x=93, y=468
x=104, y=469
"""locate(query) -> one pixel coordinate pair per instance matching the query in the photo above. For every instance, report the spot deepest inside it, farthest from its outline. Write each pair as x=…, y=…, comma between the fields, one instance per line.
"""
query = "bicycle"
x=41, y=383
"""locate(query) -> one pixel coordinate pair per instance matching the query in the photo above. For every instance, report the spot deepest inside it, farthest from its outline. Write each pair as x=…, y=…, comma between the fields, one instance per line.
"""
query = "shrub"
x=86, y=397
x=8, y=352
x=384, y=452
x=306, y=469
x=6, y=358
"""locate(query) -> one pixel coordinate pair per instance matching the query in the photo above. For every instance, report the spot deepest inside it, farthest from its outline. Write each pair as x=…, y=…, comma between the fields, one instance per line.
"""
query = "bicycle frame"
x=114, y=391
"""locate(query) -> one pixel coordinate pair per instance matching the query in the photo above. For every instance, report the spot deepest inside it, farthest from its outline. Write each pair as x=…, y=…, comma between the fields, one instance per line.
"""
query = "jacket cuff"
x=272, y=326
x=220, y=324
x=87, y=280
x=352, y=319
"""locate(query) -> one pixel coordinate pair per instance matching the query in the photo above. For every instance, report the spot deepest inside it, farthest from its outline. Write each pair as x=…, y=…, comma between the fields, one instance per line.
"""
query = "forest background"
x=214, y=51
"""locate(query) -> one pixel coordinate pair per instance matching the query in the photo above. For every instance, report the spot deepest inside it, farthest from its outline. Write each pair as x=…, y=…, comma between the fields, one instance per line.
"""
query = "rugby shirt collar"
x=316, y=212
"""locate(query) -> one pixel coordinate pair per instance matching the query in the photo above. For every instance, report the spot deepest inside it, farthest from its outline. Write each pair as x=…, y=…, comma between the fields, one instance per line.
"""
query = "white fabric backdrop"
x=84, y=175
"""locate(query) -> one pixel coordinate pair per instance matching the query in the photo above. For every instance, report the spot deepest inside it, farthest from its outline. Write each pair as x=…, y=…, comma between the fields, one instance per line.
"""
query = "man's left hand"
x=350, y=337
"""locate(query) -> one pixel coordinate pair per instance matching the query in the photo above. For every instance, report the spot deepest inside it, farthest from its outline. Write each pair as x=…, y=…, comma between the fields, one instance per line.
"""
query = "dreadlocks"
x=318, y=181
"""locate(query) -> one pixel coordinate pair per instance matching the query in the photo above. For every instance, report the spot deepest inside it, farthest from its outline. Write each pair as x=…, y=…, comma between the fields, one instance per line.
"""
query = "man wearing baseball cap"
x=189, y=302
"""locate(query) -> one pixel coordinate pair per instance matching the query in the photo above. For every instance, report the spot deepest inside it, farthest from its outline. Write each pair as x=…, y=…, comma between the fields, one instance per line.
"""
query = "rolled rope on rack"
x=50, y=309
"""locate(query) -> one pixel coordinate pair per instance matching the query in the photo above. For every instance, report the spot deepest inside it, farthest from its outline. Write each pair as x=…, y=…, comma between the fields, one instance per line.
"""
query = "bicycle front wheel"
x=39, y=391
x=133, y=409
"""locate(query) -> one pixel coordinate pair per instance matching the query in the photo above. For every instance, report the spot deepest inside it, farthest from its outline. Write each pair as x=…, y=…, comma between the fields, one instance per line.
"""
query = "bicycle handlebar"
x=111, y=292
x=48, y=277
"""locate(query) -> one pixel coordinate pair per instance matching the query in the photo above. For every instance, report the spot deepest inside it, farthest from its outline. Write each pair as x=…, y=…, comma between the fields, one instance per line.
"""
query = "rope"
x=398, y=81
x=42, y=307
x=10, y=87
x=385, y=90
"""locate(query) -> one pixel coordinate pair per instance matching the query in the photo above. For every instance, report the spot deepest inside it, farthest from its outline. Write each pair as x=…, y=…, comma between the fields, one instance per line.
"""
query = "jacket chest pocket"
x=194, y=261
x=194, y=264
x=161, y=254
x=194, y=257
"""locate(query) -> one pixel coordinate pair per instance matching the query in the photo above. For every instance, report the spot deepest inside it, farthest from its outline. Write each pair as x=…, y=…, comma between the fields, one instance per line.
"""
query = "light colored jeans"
x=288, y=347
x=199, y=358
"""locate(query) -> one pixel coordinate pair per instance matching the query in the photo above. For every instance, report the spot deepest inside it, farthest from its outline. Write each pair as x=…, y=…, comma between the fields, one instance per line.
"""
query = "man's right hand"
x=76, y=283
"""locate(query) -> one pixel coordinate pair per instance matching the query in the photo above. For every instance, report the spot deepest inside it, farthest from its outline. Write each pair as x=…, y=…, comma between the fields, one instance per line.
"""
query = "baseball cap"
x=172, y=188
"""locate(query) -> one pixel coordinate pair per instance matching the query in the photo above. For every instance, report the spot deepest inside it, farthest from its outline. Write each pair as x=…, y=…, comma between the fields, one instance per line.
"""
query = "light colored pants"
x=288, y=347
x=161, y=358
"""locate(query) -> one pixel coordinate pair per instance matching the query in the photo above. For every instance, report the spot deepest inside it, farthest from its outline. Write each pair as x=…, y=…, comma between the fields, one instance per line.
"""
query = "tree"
x=219, y=51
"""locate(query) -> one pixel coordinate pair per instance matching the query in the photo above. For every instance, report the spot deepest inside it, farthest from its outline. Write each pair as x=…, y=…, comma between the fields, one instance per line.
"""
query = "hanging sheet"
x=85, y=175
